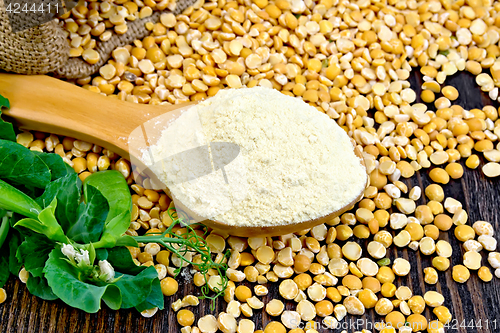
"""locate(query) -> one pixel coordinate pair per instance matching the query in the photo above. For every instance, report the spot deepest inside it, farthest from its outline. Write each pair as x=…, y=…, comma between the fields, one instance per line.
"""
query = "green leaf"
x=34, y=252
x=6, y=129
x=30, y=191
x=114, y=188
x=31, y=224
x=4, y=102
x=67, y=191
x=16, y=201
x=384, y=262
x=22, y=166
x=127, y=240
x=46, y=224
x=4, y=264
x=112, y=297
x=4, y=249
x=91, y=217
x=58, y=168
x=62, y=277
x=136, y=284
x=155, y=298
x=14, y=243
x=101, y=254
x=92, y=254
x=4, y=228
x=121, y=259
x=8, y=248
x=136, y=289
x=39, y=287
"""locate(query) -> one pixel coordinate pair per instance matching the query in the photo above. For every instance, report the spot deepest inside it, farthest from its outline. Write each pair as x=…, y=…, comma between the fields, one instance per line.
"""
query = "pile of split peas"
x=350, y=60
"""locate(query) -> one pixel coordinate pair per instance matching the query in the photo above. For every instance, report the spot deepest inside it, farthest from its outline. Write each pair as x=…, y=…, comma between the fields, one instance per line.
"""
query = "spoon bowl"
x=46, y=104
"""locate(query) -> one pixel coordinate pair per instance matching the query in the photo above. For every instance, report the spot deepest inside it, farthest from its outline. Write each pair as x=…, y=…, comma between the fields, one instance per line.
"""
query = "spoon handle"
x=46, y=104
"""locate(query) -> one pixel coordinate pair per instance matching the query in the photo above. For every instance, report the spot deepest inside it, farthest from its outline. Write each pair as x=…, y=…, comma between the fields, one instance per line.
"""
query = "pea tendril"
x=190, y=241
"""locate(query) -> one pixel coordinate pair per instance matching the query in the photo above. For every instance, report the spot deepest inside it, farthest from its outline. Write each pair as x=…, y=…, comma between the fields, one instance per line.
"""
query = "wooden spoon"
x=46, y=104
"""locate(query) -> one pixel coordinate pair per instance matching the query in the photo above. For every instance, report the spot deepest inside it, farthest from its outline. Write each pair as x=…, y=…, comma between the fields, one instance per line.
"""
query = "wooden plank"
x=474, y=300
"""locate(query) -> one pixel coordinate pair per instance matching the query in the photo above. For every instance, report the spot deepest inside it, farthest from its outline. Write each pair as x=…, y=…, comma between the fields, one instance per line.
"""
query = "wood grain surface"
x=474, y=305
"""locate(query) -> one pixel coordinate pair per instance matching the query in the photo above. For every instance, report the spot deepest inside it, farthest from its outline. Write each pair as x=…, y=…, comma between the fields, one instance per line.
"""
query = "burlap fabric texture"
x=45, y=49
x=38, y=50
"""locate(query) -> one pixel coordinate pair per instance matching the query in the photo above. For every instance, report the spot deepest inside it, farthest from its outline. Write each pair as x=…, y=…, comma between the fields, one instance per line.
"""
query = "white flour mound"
x=294, y=164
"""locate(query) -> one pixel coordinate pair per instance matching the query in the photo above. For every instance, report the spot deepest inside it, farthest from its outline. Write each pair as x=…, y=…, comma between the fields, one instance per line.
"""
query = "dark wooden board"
x=472, y=304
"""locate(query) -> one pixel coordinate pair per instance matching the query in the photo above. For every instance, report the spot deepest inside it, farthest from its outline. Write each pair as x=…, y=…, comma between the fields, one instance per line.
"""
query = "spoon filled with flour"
x=253, y=161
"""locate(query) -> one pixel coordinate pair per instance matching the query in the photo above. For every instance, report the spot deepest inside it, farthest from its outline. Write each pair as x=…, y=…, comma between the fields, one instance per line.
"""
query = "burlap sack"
x=44, y=49
x=38, y=50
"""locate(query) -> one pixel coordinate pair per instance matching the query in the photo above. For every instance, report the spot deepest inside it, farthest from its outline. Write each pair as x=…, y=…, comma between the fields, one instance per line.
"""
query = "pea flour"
x=279, y=160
